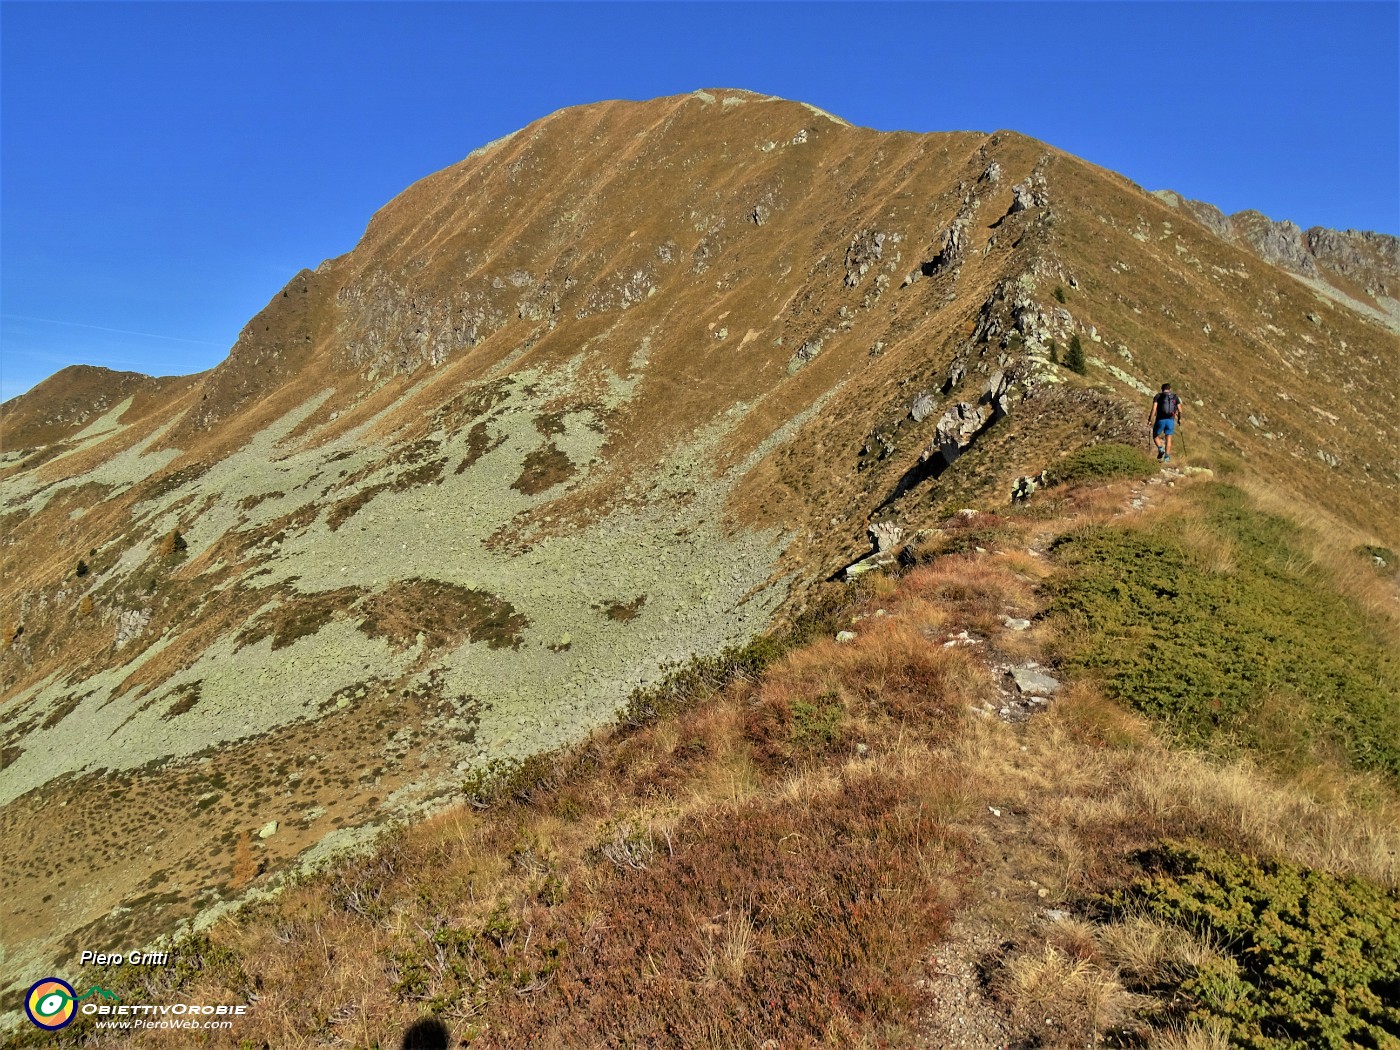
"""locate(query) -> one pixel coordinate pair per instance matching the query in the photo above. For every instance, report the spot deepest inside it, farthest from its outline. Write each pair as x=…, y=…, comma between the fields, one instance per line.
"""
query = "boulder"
x=1034, y=681
x=1027, y=484
x=878, y=560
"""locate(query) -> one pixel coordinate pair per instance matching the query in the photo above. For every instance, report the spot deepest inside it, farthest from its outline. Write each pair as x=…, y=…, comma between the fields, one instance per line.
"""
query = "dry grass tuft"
x=1190, y=1037
x=1058, y=999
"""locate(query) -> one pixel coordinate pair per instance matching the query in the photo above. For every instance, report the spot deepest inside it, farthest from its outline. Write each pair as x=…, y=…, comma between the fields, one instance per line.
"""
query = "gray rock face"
x=130, y=623
x=963, y=422
x=1280, y=243
x=923, y=407
x=958, y=425
x=805, y=353
x=866, y=249
x=953, y=245
x=1212, y=218
x=869, y=563
x=886, y=536
x=1371, y=260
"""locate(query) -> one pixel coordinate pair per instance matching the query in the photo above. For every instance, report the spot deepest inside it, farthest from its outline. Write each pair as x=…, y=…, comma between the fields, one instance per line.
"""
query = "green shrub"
x=1306, y=958
x=518, y=779
x=701, y=676
x=1220, y=656
x=1060, y=294
x=816, y=725
x=1100, y=463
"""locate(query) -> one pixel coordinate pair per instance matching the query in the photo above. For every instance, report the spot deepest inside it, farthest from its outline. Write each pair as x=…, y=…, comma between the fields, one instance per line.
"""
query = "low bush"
x=1305, y=958
x=1101, y=463
x=783, y=729
x=1220, y=656
x=799, y=922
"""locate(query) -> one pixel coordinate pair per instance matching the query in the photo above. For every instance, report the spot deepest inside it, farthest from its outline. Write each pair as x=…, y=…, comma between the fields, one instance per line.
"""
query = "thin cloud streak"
x=103, y=328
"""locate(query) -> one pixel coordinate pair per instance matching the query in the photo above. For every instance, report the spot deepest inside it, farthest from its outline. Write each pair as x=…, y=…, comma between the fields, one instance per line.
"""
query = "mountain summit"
x=620, y=388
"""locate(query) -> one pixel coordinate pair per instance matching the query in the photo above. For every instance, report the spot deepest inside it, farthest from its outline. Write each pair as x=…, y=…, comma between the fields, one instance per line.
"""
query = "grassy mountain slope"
x=624, y=387
x=841, y=842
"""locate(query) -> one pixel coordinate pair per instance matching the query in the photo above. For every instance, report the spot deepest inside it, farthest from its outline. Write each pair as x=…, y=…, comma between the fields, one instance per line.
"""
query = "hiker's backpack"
x=1168, y=404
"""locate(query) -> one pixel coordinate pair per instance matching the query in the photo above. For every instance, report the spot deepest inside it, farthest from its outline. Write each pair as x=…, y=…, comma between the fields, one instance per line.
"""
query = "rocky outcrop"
x=1279, y=243
x=954, y=242
x=1029, y=193
x=1026, y=485
x=867, y=248
x=886, y=536
x=1208, y=215
x=1371, y=260
x=962, y=423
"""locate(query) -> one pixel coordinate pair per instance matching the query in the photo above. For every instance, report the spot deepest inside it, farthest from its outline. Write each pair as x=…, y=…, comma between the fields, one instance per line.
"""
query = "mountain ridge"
x=624, y=386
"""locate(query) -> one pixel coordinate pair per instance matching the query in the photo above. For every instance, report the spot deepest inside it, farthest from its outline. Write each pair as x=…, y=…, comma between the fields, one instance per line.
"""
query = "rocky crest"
x=1354, y=259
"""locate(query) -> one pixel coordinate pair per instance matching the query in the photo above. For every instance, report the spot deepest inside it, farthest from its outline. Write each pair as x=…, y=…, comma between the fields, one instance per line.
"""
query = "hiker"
x=1166, y=414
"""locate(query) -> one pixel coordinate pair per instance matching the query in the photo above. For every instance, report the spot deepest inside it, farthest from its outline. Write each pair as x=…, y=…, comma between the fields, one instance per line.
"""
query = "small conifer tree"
x=1074, y=360
x=82, y=569
x=1054, y=353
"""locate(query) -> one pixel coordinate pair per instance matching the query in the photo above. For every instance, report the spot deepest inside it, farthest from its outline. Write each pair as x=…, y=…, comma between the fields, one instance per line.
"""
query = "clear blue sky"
x=168, y=166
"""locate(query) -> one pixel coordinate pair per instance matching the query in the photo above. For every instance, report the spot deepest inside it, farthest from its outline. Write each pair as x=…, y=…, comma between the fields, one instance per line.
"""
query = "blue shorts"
x=1164, y=426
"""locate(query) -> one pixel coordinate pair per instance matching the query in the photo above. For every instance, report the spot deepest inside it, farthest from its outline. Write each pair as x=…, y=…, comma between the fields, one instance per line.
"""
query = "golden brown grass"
x=245, y=866
x=1330, y=546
